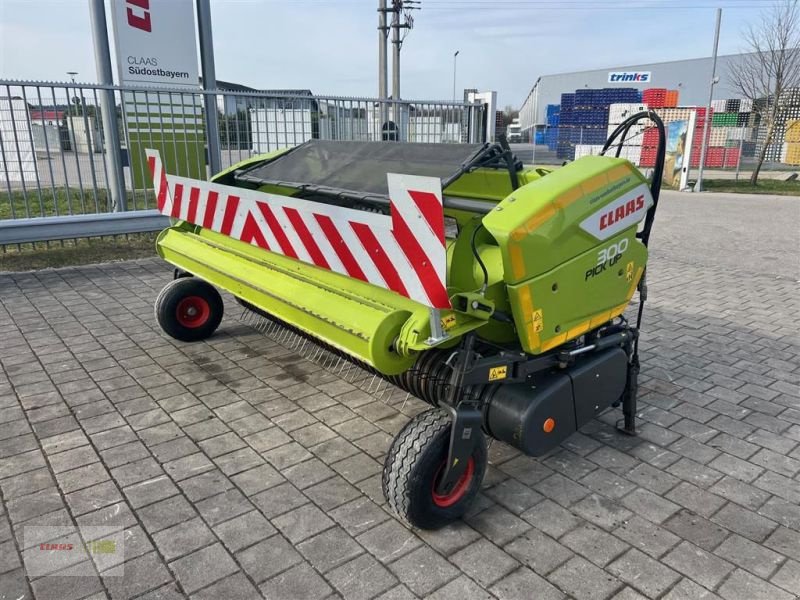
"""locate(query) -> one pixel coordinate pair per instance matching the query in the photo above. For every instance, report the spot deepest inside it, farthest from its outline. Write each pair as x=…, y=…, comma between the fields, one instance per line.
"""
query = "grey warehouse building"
x=691, y=77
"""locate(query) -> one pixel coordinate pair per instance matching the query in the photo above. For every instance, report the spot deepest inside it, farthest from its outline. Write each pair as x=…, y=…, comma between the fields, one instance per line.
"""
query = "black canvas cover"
x=362, y=166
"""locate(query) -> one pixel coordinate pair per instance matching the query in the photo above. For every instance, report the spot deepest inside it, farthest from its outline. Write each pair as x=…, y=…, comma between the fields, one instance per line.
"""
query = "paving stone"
x=519, y=585
x=24, y=508
x=646, y=536
x=649, y=505
x=205, y=485
x=750, y=556
x=423, y=571
x=484, y=562
x=136, y=471
x=26, y=483
x=561, y=490
x=332, y=493
x=498, y=524
x=695, y=499
x=233, y=587
x=539, y=552
x=701, y=566
x=581, y=580
x=150, y=491
x=279, y=499
x=183, y=538
x=788, y=577
x=302, y=523
x=594, y=544
x=744, y=522
x=267, y=558
x=388, y=541
x=257, y=479
x=188, y=466
x=362, y=578
x=140, y=575
x=224, y=506
x=551, y=518
x=785, y=541
x=329, y=549
x=513, y=495
x=92, y=498
x=741, y=585
x=645, y=574
x=203, y=567
x=460, y=588
x=166, y=513
x=686, y=589
x=602, y=511
x=301, y=581
x=244, y=530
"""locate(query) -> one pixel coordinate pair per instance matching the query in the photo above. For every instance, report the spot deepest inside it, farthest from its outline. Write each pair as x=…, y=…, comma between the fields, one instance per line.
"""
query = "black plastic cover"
x=362, y=166
x=598, y=382
x=516, y=413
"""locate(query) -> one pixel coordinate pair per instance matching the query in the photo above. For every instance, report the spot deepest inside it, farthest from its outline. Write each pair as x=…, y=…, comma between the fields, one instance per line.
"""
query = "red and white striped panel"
x=404, y=252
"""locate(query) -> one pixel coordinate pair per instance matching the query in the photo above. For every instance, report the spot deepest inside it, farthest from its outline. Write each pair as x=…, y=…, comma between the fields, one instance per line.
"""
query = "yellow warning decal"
x=496, y=373
x=629, y=271
x=537, y=321
x=448, y=322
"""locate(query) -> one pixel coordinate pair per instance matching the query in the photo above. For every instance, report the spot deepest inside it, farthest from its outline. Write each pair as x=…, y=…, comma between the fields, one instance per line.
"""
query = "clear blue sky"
x=330, y=46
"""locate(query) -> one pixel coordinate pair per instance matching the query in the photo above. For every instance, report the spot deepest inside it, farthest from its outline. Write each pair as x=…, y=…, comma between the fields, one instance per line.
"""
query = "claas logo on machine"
x=619, y=213
x=625, y=211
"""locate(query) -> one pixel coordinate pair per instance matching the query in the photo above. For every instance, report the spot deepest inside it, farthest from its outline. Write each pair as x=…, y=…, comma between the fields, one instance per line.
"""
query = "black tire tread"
x=179, y=287
x=406, y=448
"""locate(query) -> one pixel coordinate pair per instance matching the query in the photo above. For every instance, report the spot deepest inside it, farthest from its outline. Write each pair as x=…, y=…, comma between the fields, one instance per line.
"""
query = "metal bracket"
x=464, y=432
x=438, y=334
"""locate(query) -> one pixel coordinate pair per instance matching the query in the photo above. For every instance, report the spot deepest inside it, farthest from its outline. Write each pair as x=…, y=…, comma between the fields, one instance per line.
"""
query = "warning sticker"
x=537, y=321
x=496, y=373
x=448, y=322
x=629, y=271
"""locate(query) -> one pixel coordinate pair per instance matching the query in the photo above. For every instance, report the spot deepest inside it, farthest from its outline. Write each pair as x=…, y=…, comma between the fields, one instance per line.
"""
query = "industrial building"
x=690, y=77
x=573, y=113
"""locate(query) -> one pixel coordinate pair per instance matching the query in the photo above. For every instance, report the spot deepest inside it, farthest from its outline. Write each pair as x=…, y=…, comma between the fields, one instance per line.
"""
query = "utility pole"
x=698, y=185
x=397, y=6
x=455, y=57
x=401, y=19
x=209, y=83
x=108, y=111
x=383, y=75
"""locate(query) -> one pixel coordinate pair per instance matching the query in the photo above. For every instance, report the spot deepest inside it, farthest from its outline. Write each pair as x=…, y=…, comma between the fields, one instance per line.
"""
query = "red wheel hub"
x=459, y=489
x=193, y=312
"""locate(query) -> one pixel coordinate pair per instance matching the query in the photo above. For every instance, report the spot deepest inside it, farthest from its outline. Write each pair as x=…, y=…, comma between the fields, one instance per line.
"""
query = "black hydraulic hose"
x=478, y=258
x=655, y=191
x=655, y=185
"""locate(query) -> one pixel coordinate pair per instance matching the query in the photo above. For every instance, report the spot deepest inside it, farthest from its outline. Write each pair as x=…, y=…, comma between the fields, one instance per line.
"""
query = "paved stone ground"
x=238, y=470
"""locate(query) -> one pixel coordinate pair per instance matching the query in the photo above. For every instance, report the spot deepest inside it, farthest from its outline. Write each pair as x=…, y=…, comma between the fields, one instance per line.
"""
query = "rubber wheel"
x=189, y=309
x=414, y=465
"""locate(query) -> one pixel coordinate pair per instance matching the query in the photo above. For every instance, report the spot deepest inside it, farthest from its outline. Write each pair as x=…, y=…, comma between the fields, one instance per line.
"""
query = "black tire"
x=413, y=464
x=189, y=309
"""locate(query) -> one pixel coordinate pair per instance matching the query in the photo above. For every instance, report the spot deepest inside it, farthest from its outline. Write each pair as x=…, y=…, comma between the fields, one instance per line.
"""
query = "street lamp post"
x=455, y=56
x=72, y=75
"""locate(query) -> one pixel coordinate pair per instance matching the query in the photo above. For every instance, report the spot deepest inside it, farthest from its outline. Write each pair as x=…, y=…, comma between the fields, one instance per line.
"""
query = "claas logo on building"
x=138, y=12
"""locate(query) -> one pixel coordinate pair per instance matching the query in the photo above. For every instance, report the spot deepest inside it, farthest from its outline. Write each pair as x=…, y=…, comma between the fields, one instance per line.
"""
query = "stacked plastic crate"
x=553, y=113
x=564, y=147
x=791, y=152
x=660, y=97
x=617, y=113
x=778, y=148
x=591, y=114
